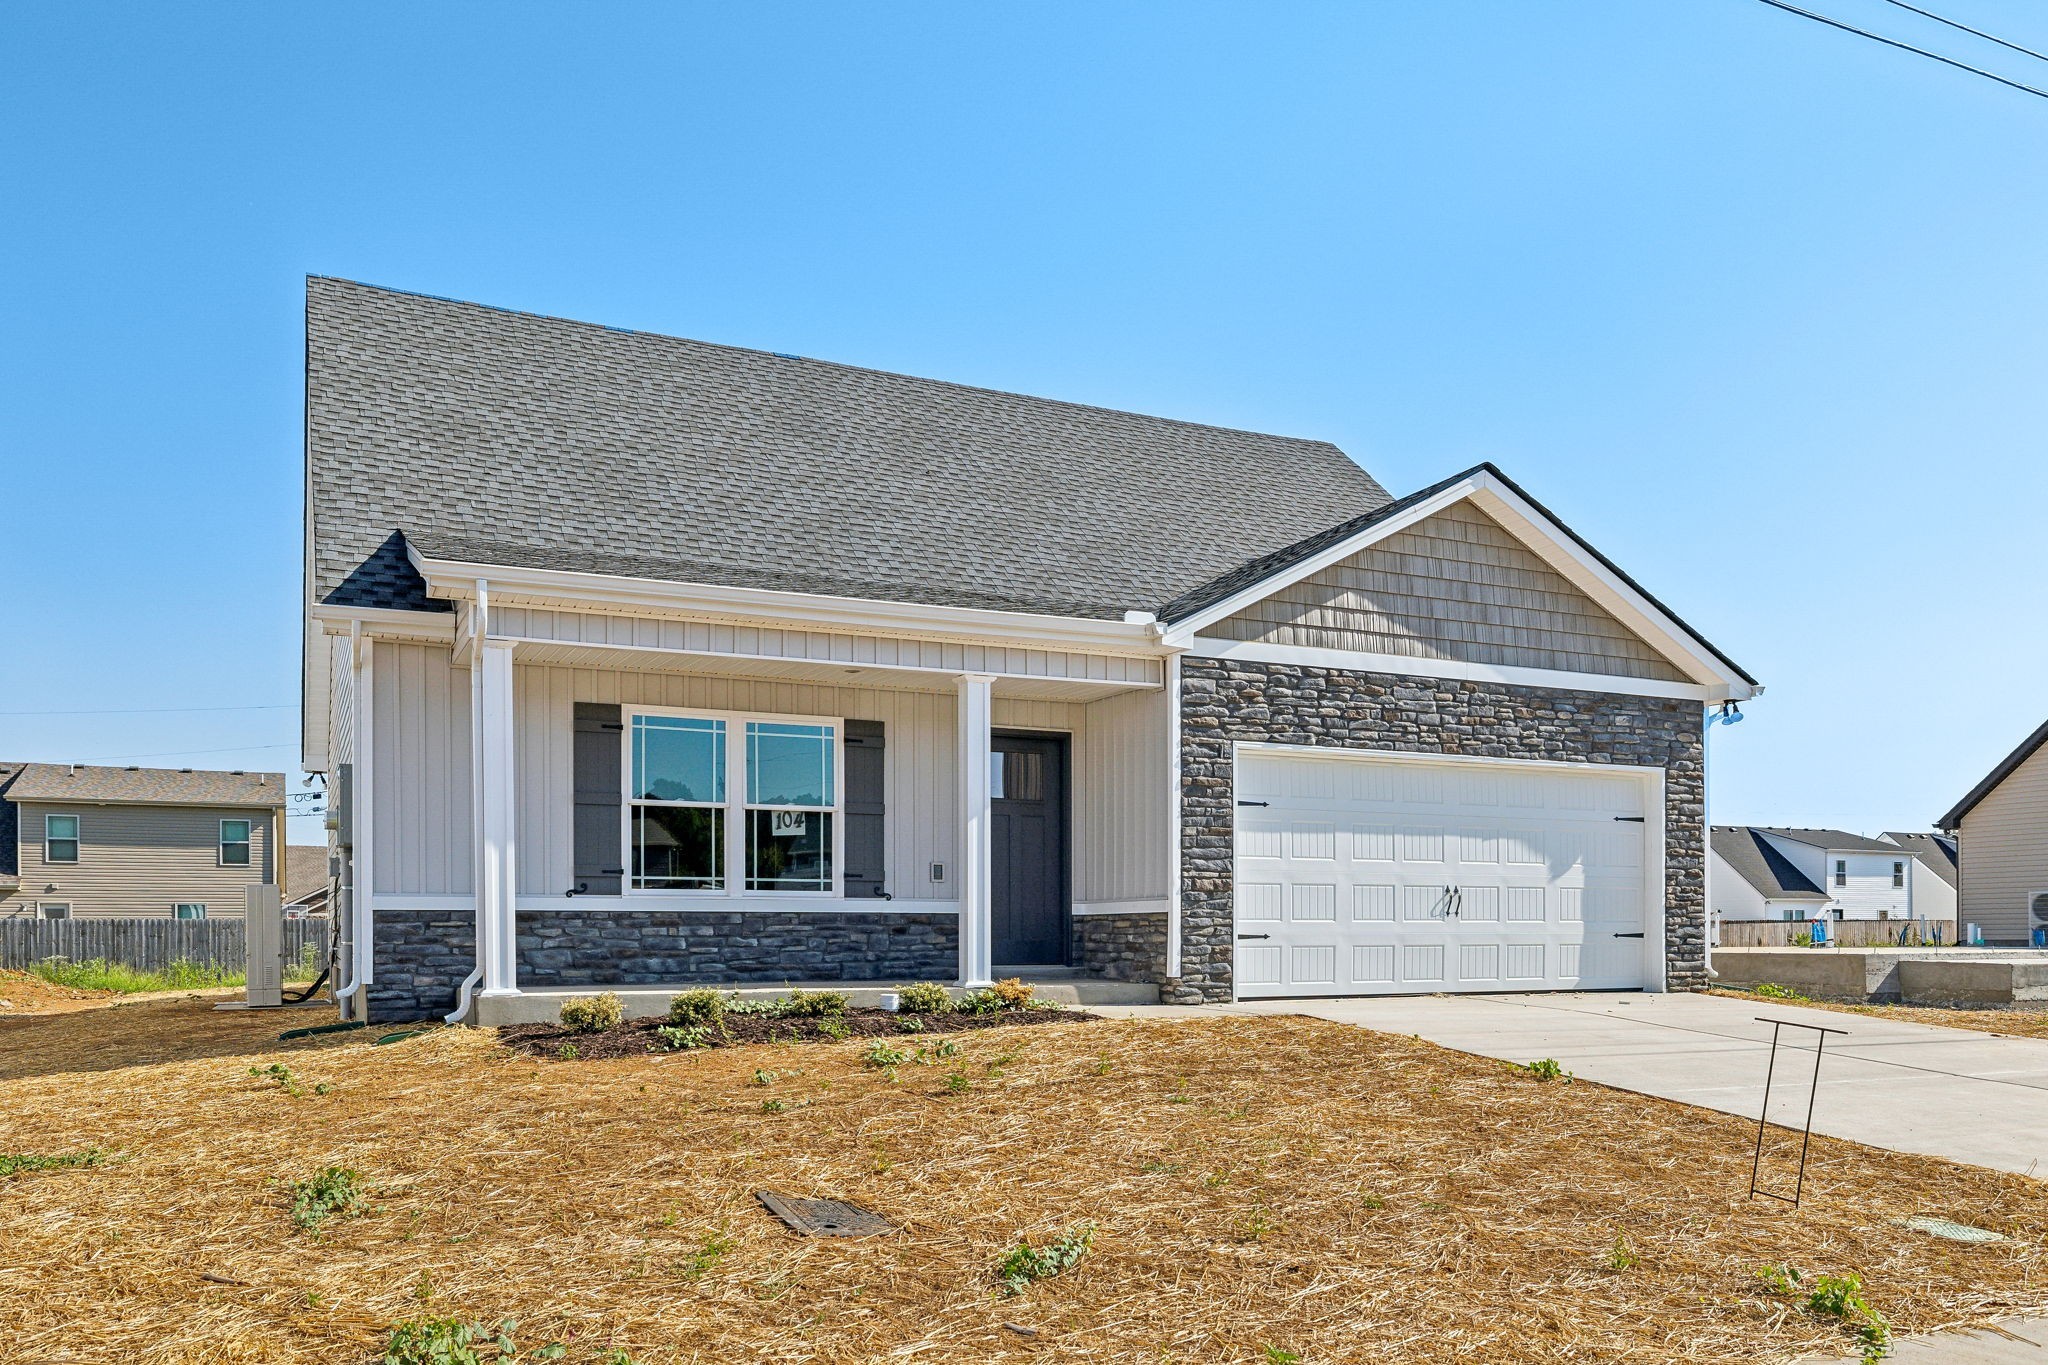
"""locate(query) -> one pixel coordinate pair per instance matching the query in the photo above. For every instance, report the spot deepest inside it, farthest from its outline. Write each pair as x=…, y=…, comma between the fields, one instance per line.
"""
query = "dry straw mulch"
x=1255, y=1182
x=2013, y=1023
x=637, y=1037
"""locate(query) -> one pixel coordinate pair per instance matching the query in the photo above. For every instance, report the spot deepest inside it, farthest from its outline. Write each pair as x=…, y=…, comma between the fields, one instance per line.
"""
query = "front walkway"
x=1943, y=1092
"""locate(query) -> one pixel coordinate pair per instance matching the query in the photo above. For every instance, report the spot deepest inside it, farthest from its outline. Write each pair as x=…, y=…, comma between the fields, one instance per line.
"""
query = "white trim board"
x=764, y=902
x=1256, y=651
x=1153, y=905
x=1545, y=538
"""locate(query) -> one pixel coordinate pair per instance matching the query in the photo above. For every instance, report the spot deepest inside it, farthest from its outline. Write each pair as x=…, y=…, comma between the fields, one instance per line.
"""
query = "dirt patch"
x=1253, y=1182
x=637, y=1037
x=27, y=993
x=2012, y=1023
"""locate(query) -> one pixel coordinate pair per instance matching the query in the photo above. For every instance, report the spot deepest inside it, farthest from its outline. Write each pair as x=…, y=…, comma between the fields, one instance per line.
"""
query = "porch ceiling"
x=894, y=678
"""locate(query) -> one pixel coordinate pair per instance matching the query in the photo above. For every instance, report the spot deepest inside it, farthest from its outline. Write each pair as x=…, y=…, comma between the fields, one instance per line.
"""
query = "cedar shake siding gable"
x=1454, y=586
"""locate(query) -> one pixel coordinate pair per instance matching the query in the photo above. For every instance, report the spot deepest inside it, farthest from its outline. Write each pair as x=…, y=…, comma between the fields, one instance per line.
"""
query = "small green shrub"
x=683, y=1038
x=979, y=1002
x=880, y=1054
x=1771, y=990
x=450, y=1341
x=698, y=1009
x=911, y=1023
x=1024, y=1264
x=593, y=1013
x=22, y=1162
x=1548, y=1070
x=568, y=1052
x=811, y=1004
x=336, y=1192
x=1839, y=1297
x=926, y=997
x=835, y=1029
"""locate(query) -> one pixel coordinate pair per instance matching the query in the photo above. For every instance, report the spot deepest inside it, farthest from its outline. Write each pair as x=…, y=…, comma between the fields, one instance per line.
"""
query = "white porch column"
x=977, y=817
x=496, y=819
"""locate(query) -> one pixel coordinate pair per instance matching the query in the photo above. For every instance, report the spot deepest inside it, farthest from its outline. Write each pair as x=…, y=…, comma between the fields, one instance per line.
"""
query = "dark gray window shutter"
x=862, y=806
x=600, y=851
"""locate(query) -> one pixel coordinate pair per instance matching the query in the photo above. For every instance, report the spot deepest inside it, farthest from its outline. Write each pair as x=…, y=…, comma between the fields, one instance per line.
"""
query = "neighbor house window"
x=708, y=792
x=188, y=911
x=1841, y=872
x=55, y=910
x=60, y=839
x=1898, y=874
x=234, y=843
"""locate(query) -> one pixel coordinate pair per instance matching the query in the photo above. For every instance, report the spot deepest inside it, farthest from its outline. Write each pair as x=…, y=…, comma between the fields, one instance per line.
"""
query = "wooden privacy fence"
x=1848, y=933
x=150, y=944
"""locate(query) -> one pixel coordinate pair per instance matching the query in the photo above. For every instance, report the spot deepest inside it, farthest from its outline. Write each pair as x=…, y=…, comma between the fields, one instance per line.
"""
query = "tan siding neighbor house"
x=2002, y=835
x=96, y=842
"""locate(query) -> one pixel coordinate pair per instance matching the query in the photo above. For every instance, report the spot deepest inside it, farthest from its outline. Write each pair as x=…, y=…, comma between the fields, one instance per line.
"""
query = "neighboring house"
x=305, y=879
x=80, y=841
x=1750, y=878
x=1854, y=877
x=2001, y=829
x=1937, y=871
x=637, y=661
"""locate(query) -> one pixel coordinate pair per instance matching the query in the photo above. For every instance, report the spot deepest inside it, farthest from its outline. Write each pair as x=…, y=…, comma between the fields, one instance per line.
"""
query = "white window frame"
x=76, y=838
x=43, y=909
x=1841, y=873
x=221, y=842
x=736, y=806
x=176, y=906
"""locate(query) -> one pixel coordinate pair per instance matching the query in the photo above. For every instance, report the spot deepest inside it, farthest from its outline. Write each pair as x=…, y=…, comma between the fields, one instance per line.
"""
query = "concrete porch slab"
x=648, y=1002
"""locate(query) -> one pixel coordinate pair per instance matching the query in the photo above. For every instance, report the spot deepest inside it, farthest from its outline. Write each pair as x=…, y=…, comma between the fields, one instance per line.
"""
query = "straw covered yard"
x=1259, y=1190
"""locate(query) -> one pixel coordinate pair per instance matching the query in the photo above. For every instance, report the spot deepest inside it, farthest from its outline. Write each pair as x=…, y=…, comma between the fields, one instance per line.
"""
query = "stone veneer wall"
x=1224, y=701
x=422, y=956
x=1122, y=947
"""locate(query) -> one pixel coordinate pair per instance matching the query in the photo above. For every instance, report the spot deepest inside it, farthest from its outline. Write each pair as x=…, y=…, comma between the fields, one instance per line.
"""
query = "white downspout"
x=1173, y=818
x=361, y=658
x=479, y=619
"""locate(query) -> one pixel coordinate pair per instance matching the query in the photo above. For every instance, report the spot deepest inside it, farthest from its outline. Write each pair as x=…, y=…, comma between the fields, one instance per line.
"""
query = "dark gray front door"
x=1028, y=781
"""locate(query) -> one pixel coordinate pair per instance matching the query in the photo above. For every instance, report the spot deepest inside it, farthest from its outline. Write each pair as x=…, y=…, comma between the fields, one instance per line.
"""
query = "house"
x=2001, y=830
x=1937, y=871
x=636, y=661
x=1763, y=872
x=1750, y=878
x=306, y=882
x=80, y=841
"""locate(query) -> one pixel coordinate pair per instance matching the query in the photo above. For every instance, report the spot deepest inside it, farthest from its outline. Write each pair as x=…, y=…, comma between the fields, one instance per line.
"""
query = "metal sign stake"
x=1763, y=1117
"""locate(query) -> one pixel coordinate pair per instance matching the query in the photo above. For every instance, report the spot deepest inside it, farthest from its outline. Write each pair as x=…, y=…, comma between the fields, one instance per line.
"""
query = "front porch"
x=599, y=779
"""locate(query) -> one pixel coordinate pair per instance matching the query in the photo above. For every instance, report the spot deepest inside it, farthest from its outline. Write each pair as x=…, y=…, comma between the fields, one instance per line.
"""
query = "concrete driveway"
x=1970, y=1097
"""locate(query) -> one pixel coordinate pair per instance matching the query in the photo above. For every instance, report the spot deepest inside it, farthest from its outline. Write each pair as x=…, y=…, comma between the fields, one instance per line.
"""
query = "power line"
x=154, y=711
x=1987, y=37
x=182, y=753
x=1904, y=47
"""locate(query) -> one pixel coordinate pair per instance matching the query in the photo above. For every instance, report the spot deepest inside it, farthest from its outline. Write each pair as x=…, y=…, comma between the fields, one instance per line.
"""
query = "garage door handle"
x=1628, y=935
x=1630, y=819
x=1245, y=936
x=1255, y=803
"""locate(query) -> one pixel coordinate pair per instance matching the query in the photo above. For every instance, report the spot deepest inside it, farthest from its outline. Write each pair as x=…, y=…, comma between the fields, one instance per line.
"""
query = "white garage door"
x=1364, y=874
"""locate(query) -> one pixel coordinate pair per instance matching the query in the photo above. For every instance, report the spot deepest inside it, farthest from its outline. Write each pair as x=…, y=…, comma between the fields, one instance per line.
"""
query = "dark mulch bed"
x=636, y=1037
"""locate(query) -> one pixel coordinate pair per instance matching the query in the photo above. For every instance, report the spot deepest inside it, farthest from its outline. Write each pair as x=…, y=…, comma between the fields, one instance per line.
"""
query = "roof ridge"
x=837, y=365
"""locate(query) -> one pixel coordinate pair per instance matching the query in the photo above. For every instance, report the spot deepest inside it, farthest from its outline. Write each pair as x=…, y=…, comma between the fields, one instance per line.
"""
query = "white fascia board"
x=385, y=622
x=1323, y=559
x=1254, y=651
x=1545, y=539
x=567, y=590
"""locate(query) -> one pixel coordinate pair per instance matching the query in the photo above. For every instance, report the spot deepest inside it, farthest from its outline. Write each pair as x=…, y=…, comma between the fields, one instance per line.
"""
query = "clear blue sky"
x=1757, y=306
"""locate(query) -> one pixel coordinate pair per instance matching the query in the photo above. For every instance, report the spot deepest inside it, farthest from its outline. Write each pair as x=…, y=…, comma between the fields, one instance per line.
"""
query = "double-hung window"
x=60, y=838
x=1898, y=875
x=732, y=803
x=234, y=843
x=188, y=910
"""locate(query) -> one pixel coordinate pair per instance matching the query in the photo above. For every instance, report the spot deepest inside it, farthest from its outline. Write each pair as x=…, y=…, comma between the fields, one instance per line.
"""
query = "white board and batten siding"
x=1375, y=873
x=422, y=771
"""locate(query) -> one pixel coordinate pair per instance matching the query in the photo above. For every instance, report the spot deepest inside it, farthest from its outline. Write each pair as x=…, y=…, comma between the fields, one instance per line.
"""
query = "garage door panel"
x=1374, y=874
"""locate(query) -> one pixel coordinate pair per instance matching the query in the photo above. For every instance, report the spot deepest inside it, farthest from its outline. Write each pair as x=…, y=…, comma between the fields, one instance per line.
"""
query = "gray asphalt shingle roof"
x=1763, y=867
x=1834, y=840
x=507, y=438
x=139, y=786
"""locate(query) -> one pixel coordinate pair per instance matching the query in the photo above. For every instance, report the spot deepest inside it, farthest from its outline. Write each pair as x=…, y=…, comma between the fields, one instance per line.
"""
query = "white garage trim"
x=1555, y=819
